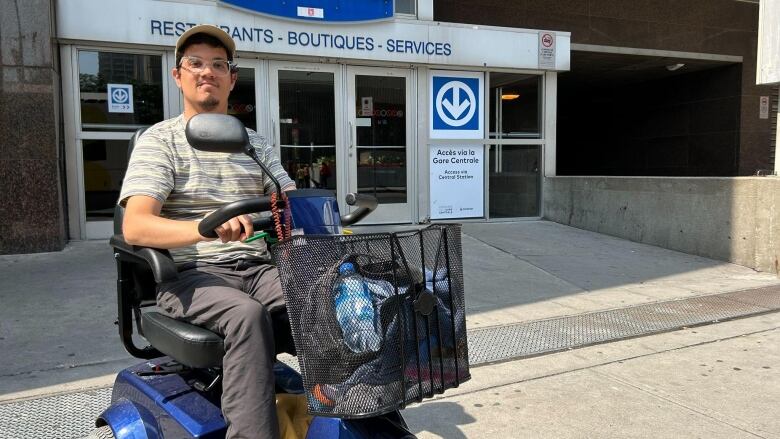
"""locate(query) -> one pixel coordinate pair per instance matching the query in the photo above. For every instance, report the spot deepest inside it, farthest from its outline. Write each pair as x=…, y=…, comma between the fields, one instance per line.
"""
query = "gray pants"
x=236, y=300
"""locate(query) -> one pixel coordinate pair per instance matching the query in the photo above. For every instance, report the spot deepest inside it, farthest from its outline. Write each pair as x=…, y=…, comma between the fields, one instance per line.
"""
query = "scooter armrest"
x=159, y=261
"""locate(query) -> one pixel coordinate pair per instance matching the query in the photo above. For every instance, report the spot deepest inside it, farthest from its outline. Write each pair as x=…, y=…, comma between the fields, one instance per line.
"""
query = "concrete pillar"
x=768, y=59
x=550, y=110
x=425, y=10
x=777, y=144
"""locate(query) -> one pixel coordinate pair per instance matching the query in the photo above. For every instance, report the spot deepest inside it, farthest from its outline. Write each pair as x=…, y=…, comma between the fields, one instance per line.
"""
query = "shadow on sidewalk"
x=439, y=418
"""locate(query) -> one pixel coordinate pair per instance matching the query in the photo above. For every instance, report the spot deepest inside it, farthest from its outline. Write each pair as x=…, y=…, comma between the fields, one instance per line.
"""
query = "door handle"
x=273, y=132
x=351, y=136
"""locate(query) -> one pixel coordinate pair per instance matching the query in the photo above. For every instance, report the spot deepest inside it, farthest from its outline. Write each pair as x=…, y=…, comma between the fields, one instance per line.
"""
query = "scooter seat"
x=188, y=344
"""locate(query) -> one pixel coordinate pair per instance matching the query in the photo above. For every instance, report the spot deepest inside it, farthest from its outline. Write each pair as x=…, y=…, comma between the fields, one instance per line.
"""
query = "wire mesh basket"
x=415, y=283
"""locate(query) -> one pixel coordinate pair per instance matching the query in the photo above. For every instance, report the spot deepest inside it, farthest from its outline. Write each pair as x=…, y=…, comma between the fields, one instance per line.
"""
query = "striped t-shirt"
x=191, y=184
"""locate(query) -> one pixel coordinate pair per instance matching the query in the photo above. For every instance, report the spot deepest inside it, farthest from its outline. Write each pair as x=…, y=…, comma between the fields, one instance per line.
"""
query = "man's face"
x=207, y=91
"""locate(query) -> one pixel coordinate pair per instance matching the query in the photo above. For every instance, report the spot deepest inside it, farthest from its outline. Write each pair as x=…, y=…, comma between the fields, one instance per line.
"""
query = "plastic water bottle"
x=355, y=311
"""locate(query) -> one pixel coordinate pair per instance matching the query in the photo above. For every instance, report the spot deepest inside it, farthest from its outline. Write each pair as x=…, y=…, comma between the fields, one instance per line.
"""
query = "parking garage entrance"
x=640, y=115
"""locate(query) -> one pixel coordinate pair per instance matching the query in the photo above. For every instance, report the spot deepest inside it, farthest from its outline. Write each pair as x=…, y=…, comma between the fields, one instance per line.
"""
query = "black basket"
x=416, y=283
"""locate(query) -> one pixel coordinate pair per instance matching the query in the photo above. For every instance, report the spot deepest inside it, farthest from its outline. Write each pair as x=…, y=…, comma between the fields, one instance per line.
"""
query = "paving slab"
x=735, y=381
x=648, y=387
x=577, y=405
x=57, y=317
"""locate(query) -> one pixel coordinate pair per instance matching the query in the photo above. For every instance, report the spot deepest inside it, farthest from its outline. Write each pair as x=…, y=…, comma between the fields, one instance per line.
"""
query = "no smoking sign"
x=546, y=50
x=547, y=40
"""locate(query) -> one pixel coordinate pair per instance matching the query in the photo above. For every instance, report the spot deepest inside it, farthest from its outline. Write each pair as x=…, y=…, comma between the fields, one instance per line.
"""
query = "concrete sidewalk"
x=57, y=335
x=524, y=271
x=715, y=381
x=58, y=309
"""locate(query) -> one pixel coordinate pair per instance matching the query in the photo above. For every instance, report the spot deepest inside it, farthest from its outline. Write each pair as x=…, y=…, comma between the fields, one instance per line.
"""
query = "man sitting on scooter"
x=224, y=285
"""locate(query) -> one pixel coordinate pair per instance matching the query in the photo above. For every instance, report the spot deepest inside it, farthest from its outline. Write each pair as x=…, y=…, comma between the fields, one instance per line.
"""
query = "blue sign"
x=456, y=106
x=320, y=10
x=120, y=98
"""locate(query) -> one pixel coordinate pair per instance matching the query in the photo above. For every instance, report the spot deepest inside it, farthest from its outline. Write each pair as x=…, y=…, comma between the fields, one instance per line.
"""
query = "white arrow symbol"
x=456, y=107
x=120, y=95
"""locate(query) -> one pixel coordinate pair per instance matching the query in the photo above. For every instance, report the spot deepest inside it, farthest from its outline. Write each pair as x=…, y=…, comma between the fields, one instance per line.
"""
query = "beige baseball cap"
x=208, y=29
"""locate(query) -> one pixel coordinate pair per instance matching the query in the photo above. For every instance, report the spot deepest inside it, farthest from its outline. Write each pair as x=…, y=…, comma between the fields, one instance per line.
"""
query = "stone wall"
x=730, y=219
x=31, y=201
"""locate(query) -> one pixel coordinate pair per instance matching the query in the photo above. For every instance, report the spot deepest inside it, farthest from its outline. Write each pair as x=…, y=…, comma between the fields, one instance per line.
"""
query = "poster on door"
x=367, y=106
x=457, y=181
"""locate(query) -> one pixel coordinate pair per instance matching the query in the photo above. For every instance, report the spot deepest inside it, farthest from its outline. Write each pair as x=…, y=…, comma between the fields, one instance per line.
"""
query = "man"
x=324, y=174
x=224, y=285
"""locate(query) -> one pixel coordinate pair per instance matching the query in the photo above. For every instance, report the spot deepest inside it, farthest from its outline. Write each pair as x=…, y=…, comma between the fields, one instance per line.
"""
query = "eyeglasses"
x=196, y=64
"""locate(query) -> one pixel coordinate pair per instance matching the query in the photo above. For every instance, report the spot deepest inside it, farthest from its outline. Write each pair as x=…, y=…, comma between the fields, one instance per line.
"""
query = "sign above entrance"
x=161, y=22
x=456, y=105
x=319, y=10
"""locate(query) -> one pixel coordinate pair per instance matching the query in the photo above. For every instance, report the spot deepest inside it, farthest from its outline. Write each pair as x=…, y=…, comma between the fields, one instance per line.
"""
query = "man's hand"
x=232, y=231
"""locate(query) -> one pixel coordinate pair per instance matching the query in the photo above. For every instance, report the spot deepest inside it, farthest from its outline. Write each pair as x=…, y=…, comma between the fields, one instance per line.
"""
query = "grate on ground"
x=490, y=345
x=68, y=416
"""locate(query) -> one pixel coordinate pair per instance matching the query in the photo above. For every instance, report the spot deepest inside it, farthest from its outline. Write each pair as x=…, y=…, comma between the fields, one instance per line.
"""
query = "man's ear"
x=233, y=79
x=176, y=76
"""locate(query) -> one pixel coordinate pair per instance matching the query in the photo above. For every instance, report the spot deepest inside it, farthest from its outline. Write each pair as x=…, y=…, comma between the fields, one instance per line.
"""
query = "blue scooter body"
x=314, y=212
x=148, y=404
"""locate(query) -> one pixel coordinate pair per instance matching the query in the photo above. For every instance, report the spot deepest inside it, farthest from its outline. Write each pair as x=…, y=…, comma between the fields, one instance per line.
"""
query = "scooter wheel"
x=103, y=432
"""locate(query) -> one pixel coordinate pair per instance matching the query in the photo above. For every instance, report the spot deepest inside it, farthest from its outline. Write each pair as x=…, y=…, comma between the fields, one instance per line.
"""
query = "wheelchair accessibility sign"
x=456, y=105
x=120, y=98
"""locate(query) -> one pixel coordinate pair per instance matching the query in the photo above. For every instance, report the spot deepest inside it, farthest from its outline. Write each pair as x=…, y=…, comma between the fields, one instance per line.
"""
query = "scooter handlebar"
x=225, y=213
x=365, y=203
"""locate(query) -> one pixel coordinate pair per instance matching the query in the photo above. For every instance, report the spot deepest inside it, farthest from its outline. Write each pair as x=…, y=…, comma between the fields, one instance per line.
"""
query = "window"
x=104, y=130
x=514, y=179
x=381, y=137
x=406, y=7
x=99, y=69
x=105, y=162
x=307, y=127
x=515, y=104
x=241, y=102
x=515, y=150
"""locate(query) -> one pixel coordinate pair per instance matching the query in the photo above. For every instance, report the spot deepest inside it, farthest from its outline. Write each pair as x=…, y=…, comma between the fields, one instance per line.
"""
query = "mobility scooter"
x=175, y=392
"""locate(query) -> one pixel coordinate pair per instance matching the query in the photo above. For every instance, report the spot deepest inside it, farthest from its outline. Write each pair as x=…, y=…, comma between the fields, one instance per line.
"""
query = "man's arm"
x=143, y=225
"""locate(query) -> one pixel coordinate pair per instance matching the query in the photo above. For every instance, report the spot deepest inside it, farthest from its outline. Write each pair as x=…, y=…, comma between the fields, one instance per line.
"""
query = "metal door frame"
x=398, y=213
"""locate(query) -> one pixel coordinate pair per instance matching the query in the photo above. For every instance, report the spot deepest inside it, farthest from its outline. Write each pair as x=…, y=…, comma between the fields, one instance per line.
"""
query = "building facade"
x=443, y=109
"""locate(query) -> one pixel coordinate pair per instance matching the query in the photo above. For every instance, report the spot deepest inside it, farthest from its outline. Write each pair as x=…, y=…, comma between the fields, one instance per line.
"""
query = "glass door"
x=116, y=93
x=304, y=114
x=515, y=151
x=379, y=131
x=243, y=99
